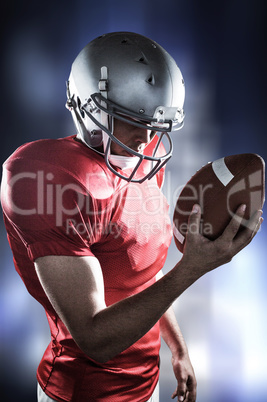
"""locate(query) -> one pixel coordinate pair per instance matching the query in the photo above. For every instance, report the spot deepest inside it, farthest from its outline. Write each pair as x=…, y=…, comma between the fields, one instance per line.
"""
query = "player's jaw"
x=133, y=137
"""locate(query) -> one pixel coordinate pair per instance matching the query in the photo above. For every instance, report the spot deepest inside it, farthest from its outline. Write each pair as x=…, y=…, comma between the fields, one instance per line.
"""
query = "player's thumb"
x=194, y=221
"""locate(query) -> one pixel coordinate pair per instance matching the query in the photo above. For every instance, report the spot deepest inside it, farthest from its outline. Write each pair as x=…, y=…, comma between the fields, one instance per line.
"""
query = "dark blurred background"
x=220, y=48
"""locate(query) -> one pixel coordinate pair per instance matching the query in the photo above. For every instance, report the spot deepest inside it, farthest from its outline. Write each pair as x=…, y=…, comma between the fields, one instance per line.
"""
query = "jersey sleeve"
x=52, y=212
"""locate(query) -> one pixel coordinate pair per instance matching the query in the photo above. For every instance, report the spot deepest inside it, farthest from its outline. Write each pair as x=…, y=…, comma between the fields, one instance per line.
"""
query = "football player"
x=89, y=228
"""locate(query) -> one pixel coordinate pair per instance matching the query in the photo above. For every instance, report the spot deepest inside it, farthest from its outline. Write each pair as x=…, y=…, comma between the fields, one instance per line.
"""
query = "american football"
x=220, y=187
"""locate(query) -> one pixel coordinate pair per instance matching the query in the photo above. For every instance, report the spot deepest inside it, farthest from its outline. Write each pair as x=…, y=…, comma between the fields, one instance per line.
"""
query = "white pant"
x=155, y=395
x=42, y=397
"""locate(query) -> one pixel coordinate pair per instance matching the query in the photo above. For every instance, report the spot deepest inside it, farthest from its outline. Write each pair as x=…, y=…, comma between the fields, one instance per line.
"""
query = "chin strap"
x=72, y=106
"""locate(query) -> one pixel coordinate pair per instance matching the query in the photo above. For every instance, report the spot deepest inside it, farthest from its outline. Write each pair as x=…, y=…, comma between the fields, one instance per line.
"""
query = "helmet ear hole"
x=80, y=107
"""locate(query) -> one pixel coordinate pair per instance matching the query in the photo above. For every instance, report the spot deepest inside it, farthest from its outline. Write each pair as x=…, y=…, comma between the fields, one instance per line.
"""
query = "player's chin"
x=140, y=151
x=128, y=154
x=124, y=152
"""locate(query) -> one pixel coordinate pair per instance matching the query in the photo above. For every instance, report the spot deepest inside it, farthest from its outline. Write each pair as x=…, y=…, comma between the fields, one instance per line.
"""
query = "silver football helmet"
x=129, y=77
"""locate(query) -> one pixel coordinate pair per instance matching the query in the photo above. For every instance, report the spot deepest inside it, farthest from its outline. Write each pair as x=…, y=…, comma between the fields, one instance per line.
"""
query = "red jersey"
x=60, y=198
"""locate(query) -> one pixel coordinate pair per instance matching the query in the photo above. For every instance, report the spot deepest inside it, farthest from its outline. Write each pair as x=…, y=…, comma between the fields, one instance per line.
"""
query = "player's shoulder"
x=43, y=149
x=72, y=160
x=57, y=150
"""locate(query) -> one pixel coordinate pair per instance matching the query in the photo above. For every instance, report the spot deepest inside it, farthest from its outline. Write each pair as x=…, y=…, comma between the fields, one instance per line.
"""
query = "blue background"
x=220, y=48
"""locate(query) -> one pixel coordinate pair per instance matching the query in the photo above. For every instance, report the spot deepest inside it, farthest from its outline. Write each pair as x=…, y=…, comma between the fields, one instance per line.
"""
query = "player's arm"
x=74, y=285
x=75, y=288
x=182, y=367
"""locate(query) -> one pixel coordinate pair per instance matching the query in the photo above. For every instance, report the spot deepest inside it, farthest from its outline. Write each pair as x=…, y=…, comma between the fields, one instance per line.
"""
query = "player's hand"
x=187, y=384
x=204, y=255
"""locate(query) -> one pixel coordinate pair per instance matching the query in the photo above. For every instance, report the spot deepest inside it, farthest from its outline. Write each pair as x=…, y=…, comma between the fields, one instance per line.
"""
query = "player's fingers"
x=186, y=390
x=254, y=223
x=234, y=225
x=180, y=391
x=192, y=389
x=251, y=228
x=258, y=226
x=194, y=221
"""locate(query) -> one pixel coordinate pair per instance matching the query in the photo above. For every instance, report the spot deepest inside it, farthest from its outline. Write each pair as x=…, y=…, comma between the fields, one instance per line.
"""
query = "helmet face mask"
x=156, y=162
x=128, y=77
